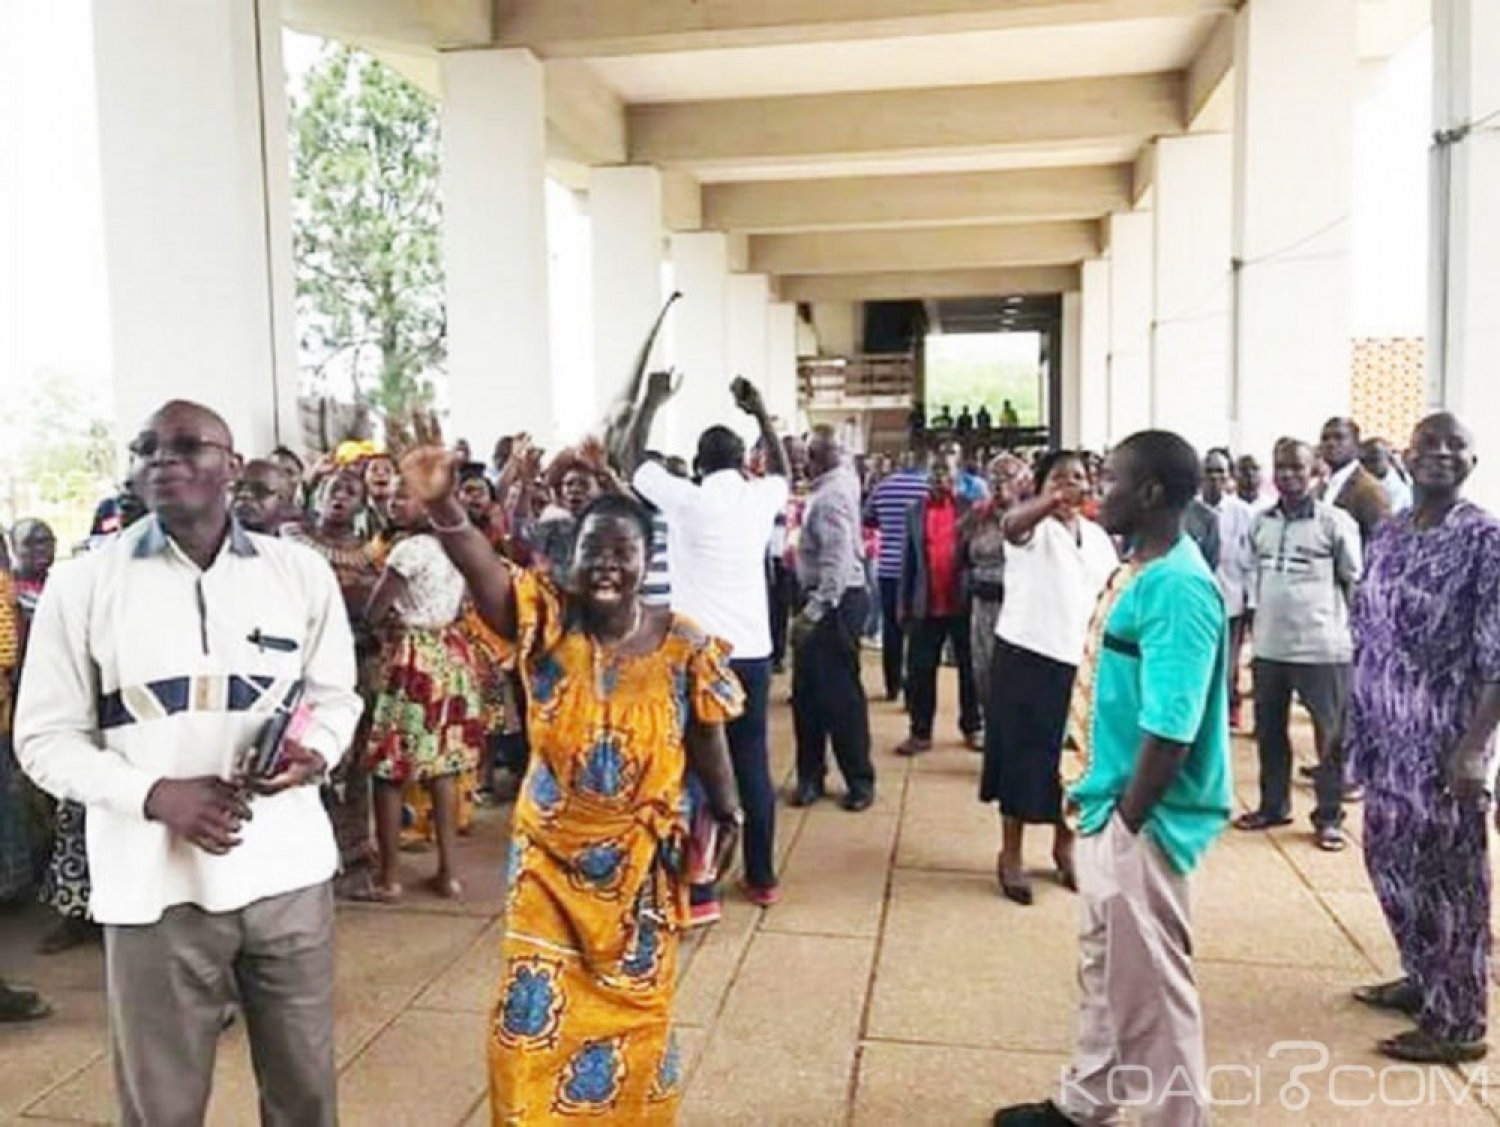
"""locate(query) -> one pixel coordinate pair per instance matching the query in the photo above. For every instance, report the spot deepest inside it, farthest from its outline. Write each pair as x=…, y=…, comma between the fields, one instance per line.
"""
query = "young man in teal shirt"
x=1147, y=769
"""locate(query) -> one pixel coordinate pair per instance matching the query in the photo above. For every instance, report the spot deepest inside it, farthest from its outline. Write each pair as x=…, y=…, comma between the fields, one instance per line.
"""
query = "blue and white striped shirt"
x=891, y=501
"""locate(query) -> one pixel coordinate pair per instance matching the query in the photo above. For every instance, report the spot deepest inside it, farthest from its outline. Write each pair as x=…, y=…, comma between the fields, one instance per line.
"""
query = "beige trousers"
x=170, y=983
x=1140, y=1029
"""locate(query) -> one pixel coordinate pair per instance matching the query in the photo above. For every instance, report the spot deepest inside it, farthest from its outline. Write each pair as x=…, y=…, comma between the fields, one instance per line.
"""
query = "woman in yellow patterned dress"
x=622, y=699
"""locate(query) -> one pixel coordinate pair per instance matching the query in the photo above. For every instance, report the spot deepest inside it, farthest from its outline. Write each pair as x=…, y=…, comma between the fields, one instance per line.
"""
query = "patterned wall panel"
x=1389, y=386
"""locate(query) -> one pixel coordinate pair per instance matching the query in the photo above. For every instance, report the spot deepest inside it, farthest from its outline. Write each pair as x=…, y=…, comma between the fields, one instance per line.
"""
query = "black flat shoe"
x=857, y=800
x=1417, y=1047
x=1401, y=995
x=806, y=794
x=1044, y=1114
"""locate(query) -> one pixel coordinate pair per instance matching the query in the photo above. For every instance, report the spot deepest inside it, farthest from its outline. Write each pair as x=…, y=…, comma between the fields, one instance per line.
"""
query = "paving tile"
x=710, y=970
x=386, y=958
x=946, y=826
x=468, y=986
x=959, y=965
x=783, y=1050
x=38, y=1056
x=426, y=1068
x=1359, y=914
x=940, y=1086
x=1250, y=906
x=1248, y=1027
x=835, y=879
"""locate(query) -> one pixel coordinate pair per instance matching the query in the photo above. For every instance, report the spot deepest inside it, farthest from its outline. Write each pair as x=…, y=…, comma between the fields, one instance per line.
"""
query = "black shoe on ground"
x=861, y=798
x=70, y=932
x=1416, y=1047
x=1401, y=995
x=806, y=794
x=1044, y=1114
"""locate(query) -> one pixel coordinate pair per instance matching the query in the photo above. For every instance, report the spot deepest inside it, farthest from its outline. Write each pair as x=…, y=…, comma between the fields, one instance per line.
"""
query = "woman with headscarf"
x=1057, y=561
x=623, y=698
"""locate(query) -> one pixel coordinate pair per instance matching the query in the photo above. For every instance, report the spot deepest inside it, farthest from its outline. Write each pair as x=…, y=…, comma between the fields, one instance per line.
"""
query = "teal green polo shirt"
x=1163, y=671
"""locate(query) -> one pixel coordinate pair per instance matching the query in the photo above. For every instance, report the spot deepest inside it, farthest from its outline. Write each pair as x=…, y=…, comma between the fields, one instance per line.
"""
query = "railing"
x=883, y=379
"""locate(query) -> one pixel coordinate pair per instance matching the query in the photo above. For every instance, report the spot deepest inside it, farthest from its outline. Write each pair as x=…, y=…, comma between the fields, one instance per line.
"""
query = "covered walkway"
x=892, y=985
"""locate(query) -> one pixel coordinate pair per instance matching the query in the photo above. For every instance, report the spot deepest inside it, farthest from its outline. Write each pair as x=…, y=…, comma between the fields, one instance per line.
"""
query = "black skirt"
x=1027, y=719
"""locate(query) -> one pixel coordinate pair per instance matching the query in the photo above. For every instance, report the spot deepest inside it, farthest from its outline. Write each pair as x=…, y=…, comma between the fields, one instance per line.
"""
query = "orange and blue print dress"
x=597, y=898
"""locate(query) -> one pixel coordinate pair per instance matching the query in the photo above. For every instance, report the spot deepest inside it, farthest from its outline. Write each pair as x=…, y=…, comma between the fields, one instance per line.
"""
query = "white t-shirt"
x=435, y=588
x=1051, y=585
x=718, y=532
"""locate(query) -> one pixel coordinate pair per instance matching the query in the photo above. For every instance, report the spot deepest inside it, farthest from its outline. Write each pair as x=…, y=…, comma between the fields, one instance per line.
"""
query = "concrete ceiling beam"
x=938, y=248
x=920, y=285
x=585, y=118
x=556, y=28
x=1207, y=92
x=747, y=131
x=1020, y=196
x=439, y=24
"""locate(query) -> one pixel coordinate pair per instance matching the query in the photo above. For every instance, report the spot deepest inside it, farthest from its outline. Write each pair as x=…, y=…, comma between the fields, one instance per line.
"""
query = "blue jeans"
x=749, y=752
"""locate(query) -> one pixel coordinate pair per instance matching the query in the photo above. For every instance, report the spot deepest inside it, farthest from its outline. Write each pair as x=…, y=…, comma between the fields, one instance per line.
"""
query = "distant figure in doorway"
x=965, y=423
x=943, y=420
x=984, y=423
x=1009, y=420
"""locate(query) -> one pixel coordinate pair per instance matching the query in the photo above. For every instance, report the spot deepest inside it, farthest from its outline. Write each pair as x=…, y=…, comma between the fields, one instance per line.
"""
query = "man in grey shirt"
x=828, y=698
x=1307, y=561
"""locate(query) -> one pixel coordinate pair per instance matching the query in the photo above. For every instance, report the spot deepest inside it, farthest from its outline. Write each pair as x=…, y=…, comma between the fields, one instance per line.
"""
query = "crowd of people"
x=260, y=682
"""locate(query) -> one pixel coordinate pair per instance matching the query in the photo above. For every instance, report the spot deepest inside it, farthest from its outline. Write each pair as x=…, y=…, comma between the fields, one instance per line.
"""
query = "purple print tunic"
x=1426, y=622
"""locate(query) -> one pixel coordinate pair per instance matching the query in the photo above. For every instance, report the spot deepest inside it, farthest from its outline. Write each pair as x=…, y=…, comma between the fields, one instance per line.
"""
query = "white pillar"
x=1295, y=73
x=625, y=212
x=495, y=245
x=747, y=299
x=196, y=193
x=781, y=364
x=1129, y=324
x=1465, y=334
x=1190, y=333
x=1072, y=370
x=700, y=265
x=1093, y=354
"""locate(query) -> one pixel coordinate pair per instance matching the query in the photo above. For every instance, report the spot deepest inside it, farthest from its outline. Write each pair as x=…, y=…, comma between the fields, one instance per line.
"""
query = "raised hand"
x=428, y=472
x=747, y=397
x=661, y=386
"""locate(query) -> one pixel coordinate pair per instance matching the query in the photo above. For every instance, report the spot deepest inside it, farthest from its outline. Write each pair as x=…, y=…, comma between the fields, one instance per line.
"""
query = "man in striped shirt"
x=887, y=508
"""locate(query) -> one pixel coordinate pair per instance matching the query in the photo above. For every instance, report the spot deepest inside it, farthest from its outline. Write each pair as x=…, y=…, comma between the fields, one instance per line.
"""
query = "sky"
x=53, y=293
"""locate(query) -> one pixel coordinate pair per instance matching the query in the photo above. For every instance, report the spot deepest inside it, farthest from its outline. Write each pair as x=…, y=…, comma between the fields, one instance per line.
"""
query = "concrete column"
x=700, y=265
x=1130, y=274
x=781, y=363
x=745, y=339
x=1464, y=349
x=1295, y=73
x=495, y=245
x=1093, y=354
x=1072, y=371
x=625, y=213
x=1190, y=333
x=196, y=203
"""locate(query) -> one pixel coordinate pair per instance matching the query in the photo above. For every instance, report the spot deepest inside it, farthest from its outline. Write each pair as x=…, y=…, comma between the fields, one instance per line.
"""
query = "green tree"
x=61, y=461
x=366, y=218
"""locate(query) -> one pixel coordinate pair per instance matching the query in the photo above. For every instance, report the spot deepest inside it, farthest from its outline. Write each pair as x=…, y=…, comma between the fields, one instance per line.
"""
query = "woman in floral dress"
x=623, y=697
x=426, y=726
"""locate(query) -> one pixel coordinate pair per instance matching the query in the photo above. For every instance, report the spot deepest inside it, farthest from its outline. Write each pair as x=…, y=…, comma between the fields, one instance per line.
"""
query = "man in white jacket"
x=154, y=666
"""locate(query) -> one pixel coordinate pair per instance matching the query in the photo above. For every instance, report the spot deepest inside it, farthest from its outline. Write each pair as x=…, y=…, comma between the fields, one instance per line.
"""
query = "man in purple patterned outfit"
x=1426, y=701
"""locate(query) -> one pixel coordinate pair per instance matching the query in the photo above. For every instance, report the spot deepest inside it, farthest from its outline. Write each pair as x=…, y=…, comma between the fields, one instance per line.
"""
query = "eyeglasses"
x=183, y=447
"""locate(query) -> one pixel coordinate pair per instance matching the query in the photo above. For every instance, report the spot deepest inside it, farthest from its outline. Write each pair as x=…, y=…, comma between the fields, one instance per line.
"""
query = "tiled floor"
x=890, y=986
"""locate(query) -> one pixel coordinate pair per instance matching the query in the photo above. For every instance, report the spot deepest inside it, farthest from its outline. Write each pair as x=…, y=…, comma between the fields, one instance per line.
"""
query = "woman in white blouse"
x=1057, y=562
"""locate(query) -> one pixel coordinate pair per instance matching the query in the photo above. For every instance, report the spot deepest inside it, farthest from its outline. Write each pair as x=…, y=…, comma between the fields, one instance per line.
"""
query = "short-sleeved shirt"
x=435, y=589
x=1161, y=672
x=888, y=505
